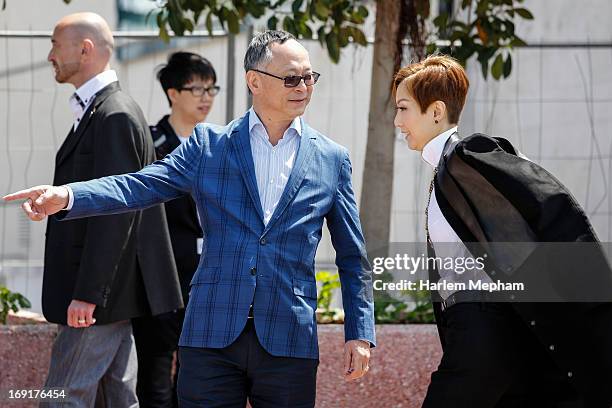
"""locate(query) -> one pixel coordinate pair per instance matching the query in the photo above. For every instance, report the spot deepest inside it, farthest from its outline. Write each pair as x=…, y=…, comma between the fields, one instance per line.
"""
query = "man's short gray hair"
x=258, y=54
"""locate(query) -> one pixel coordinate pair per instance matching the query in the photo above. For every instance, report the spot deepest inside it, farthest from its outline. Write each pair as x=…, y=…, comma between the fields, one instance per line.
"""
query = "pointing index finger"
x=19, y=195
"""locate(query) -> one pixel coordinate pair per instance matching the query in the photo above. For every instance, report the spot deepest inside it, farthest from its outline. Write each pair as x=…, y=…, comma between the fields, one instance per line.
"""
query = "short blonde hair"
x=436, y=78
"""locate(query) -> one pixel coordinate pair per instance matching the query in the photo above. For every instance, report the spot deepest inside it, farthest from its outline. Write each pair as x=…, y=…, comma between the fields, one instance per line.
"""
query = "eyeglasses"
x=200, y=90
x=294, y=80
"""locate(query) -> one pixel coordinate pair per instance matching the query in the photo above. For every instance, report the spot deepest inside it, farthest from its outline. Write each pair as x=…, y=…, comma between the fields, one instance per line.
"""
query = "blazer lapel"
x=453, y=195
x=304, y=155
x=241, y=143
x=67, y=141
x=73, y=137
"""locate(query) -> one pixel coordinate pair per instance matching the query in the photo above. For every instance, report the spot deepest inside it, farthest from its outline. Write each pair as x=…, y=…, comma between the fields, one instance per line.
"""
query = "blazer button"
x=262, y=241
x=253, y=271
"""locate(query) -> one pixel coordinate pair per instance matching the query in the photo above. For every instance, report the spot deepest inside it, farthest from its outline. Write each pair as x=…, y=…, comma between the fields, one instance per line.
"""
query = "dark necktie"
x=79, y=100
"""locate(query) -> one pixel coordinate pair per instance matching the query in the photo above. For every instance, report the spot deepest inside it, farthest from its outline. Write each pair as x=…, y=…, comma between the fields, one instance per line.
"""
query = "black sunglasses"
x=200, y=90
x=294, y=80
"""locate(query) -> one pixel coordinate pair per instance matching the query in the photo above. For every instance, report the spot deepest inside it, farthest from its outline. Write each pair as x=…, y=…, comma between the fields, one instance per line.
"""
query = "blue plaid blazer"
x=243, y=260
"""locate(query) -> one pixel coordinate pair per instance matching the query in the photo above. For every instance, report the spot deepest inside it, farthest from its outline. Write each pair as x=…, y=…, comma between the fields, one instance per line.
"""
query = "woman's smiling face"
x=416, y=126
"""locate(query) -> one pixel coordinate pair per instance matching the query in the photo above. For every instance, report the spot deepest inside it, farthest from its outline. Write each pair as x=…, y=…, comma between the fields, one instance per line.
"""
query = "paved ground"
x=401, y=365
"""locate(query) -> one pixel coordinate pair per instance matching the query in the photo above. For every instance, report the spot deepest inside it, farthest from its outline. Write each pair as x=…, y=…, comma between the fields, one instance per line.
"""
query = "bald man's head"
x=82, y=47
x=81, y=26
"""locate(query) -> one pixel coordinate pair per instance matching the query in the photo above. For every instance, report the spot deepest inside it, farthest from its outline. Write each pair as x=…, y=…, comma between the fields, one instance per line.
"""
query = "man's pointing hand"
x=41, y=201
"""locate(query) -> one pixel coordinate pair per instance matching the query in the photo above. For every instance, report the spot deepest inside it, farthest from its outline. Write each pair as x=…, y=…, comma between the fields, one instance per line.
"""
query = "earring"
x=436, y=121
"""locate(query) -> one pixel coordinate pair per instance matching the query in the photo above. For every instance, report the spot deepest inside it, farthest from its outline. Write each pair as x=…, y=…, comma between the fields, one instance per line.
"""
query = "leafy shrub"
x=11, y=301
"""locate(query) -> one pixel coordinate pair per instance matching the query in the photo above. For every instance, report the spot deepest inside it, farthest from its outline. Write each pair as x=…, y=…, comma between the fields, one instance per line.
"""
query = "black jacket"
x=488, y=193
x=122, y=263
x=182, y=214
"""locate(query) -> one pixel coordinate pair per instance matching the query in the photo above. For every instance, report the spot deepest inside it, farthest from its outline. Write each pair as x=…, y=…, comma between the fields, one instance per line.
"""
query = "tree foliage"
x=488, y=33
x=485, y=28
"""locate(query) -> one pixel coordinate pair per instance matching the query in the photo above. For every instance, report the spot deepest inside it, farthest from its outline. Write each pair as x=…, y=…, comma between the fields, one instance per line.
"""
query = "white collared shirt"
x=273, y=164
x=449, y=245
x=87, y=93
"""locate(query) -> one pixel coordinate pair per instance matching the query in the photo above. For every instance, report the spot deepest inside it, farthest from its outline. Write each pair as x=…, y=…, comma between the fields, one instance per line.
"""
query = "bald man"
x=101, y=272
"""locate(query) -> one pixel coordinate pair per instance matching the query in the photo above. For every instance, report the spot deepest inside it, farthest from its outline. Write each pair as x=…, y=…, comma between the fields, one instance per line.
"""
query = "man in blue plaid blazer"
x=263, y=185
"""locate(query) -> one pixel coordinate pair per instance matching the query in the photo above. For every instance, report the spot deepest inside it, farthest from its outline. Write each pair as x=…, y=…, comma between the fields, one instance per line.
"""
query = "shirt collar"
x=433, y=149
x=254, y=121
x=89, y=89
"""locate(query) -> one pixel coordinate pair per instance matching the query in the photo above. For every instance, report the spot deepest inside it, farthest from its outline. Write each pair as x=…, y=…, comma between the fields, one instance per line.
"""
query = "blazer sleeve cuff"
x=365, y=333
x=70, y=198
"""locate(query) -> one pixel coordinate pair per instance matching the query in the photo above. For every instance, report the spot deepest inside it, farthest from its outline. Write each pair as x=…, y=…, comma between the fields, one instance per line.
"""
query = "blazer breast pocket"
x=305, y=288
x=206, y=275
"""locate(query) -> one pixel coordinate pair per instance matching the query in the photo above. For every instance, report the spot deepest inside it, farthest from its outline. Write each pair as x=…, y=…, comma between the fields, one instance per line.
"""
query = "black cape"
x=490, y=193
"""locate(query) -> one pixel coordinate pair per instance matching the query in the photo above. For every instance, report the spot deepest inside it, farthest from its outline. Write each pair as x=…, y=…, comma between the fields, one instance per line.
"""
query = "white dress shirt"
x=446, y=242
x=273, y=164
x=82, y=98
x=80, y=101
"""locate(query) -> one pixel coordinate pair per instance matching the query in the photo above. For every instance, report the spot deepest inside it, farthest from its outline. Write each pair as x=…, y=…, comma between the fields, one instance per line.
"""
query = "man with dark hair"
x=264, y=185
x=182, y=69
x=188, y=81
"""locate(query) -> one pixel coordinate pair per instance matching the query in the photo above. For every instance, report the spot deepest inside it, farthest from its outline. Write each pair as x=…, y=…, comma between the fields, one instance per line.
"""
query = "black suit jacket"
x=182, y=214
x=122, y=263
x=488, y=193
